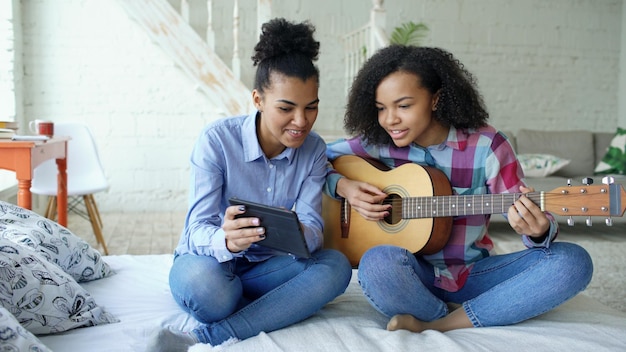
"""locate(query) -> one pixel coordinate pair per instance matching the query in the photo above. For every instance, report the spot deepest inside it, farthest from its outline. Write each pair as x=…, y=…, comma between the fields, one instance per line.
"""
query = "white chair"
x=85, y=176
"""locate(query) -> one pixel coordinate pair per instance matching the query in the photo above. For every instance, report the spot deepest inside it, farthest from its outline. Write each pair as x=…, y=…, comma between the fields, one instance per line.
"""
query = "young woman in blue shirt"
x=220, y=275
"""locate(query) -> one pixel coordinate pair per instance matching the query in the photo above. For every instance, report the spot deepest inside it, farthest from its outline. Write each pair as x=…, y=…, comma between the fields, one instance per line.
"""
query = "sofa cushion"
x=576, y=146
x=541, y=165
x=614, y=161
x=602, y=141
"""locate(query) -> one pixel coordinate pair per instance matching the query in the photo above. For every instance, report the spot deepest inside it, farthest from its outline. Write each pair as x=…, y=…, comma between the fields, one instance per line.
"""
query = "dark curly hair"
x=459, y=105
x=287, y=48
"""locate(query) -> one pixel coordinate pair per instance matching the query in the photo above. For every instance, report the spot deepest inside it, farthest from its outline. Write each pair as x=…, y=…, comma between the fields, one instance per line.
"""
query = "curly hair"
x=287, y=48
x=459, y=105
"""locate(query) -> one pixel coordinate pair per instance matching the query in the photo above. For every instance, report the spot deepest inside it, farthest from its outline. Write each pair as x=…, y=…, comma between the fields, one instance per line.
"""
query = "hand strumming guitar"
x=364, y=198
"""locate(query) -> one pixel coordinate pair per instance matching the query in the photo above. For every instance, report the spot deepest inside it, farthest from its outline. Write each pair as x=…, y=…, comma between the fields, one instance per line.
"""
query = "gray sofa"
x=584, y=149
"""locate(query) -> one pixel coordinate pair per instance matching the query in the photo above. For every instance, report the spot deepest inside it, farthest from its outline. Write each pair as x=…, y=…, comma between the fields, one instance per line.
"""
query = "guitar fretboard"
x=442, y=206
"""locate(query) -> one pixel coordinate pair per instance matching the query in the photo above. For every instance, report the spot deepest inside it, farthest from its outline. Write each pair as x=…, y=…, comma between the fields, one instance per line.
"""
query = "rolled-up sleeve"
x=203, y=234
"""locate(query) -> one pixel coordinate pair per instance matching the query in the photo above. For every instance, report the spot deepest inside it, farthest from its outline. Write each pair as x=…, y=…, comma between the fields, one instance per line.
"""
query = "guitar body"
x=357, y=235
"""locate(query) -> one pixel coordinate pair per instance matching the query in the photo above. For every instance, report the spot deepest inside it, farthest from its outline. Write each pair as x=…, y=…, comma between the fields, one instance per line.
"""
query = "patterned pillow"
x=13, y=337
x=53, y=241
x=41, y=296
x=614, y=161
x=540, y=165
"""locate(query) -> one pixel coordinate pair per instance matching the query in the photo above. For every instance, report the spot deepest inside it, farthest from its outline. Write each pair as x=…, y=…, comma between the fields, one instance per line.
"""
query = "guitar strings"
x=534, y=196
x=453, y=205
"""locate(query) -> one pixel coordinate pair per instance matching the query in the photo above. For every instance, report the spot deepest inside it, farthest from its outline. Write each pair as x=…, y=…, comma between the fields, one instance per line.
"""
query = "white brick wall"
x=540, y=64
x=550, y=64
x=86, y=61
x=7, y=61
x=7, y=87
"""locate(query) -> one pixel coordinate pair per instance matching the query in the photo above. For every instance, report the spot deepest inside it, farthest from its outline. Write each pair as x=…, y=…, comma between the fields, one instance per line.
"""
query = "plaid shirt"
x=478, y=161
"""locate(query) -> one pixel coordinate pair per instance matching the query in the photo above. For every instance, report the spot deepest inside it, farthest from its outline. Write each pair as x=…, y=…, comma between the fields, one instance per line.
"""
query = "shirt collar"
x=457, y=139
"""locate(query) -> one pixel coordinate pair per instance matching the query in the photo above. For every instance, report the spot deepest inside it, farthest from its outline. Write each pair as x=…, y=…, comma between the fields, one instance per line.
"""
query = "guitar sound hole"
x=395, y=215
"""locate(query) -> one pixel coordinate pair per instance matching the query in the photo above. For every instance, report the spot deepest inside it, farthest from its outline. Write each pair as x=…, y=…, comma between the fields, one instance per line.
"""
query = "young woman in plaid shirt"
x=420, y=105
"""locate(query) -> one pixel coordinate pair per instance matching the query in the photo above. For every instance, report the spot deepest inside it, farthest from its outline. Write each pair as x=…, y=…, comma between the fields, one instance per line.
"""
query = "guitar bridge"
x=345, y=218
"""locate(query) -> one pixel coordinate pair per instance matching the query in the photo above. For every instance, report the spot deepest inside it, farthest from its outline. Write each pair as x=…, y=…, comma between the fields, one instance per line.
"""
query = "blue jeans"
x=500, y=290
x=240, y=299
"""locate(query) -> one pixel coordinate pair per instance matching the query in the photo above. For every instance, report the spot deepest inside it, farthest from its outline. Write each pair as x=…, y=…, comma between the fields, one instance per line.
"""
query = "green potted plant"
x=409, y=33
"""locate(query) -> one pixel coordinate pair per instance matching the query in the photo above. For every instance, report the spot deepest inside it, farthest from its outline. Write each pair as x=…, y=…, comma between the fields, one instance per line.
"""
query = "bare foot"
x=405, y=322
x=457, y=319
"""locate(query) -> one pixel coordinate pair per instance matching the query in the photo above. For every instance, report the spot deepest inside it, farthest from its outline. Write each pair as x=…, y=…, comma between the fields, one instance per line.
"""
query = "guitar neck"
x=443, y=206
x=406, y=184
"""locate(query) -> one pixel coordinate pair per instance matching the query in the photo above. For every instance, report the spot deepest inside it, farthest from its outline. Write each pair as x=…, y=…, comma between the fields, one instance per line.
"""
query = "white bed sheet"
x=139, y=296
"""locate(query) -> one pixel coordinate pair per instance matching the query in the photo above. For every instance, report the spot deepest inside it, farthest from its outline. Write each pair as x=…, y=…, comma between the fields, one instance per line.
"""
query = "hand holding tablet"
x=282, y=227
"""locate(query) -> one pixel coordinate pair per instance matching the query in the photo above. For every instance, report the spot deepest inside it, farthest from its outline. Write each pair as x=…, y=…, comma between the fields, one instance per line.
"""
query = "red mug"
x=45, y=128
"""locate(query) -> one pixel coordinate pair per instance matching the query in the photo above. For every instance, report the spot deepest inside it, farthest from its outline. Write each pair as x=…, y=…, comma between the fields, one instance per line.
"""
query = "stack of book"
x=7, y=129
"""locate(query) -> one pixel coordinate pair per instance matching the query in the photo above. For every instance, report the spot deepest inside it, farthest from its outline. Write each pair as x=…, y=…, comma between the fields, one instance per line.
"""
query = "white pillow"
x=13, y=337
x=41, y=296
x=54, y=242
x=541, y=165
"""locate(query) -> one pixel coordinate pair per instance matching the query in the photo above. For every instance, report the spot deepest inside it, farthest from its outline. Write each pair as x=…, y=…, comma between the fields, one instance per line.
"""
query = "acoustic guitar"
x=420, y=219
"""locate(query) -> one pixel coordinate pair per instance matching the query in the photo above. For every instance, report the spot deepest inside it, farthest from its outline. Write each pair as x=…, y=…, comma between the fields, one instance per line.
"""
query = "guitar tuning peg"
x=587, y=181
x=608, y=180
x=570, y=221
x=609, y=221
x=588, y=221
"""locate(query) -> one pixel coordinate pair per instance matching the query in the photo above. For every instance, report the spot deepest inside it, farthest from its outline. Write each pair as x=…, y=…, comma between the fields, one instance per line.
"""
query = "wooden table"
x=24, y=156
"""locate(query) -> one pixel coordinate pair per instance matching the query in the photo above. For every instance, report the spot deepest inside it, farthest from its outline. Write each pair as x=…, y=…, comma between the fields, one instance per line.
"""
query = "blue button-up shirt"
x=227, y=161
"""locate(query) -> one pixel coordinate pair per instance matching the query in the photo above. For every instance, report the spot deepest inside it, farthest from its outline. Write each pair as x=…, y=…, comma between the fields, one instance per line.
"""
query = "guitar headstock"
x=586, y=200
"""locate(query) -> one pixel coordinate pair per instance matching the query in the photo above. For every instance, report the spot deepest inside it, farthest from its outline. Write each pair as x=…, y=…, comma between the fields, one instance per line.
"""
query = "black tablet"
x=282, y=227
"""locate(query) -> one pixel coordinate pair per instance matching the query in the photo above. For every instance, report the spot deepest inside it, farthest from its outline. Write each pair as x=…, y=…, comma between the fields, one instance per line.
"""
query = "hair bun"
x=280, y=37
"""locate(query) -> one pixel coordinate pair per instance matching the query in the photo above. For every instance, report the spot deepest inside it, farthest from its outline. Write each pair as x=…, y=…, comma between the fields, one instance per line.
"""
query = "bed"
x=138, y=295
x=132, y=297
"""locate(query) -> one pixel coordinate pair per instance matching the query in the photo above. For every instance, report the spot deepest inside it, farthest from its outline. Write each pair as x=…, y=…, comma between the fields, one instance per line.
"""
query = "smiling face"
x=288, y=111
x=405, y=111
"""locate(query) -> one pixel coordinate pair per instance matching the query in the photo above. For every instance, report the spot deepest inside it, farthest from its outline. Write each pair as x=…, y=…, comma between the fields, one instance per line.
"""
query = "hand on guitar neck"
x=526, y=218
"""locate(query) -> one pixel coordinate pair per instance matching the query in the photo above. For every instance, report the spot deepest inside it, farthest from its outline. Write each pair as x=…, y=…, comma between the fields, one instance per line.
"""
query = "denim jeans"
x=240, y=299
x=500, y=290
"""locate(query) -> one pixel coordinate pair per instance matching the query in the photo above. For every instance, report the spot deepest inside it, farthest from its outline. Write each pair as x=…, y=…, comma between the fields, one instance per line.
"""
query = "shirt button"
x=269, y=189
x=271, y=166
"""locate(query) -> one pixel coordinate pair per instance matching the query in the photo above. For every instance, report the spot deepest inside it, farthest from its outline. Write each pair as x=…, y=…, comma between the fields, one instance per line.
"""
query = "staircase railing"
x=359, y=44
x=195, y=56
x=264, y=13
x=363, y=42
x=173, y=31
